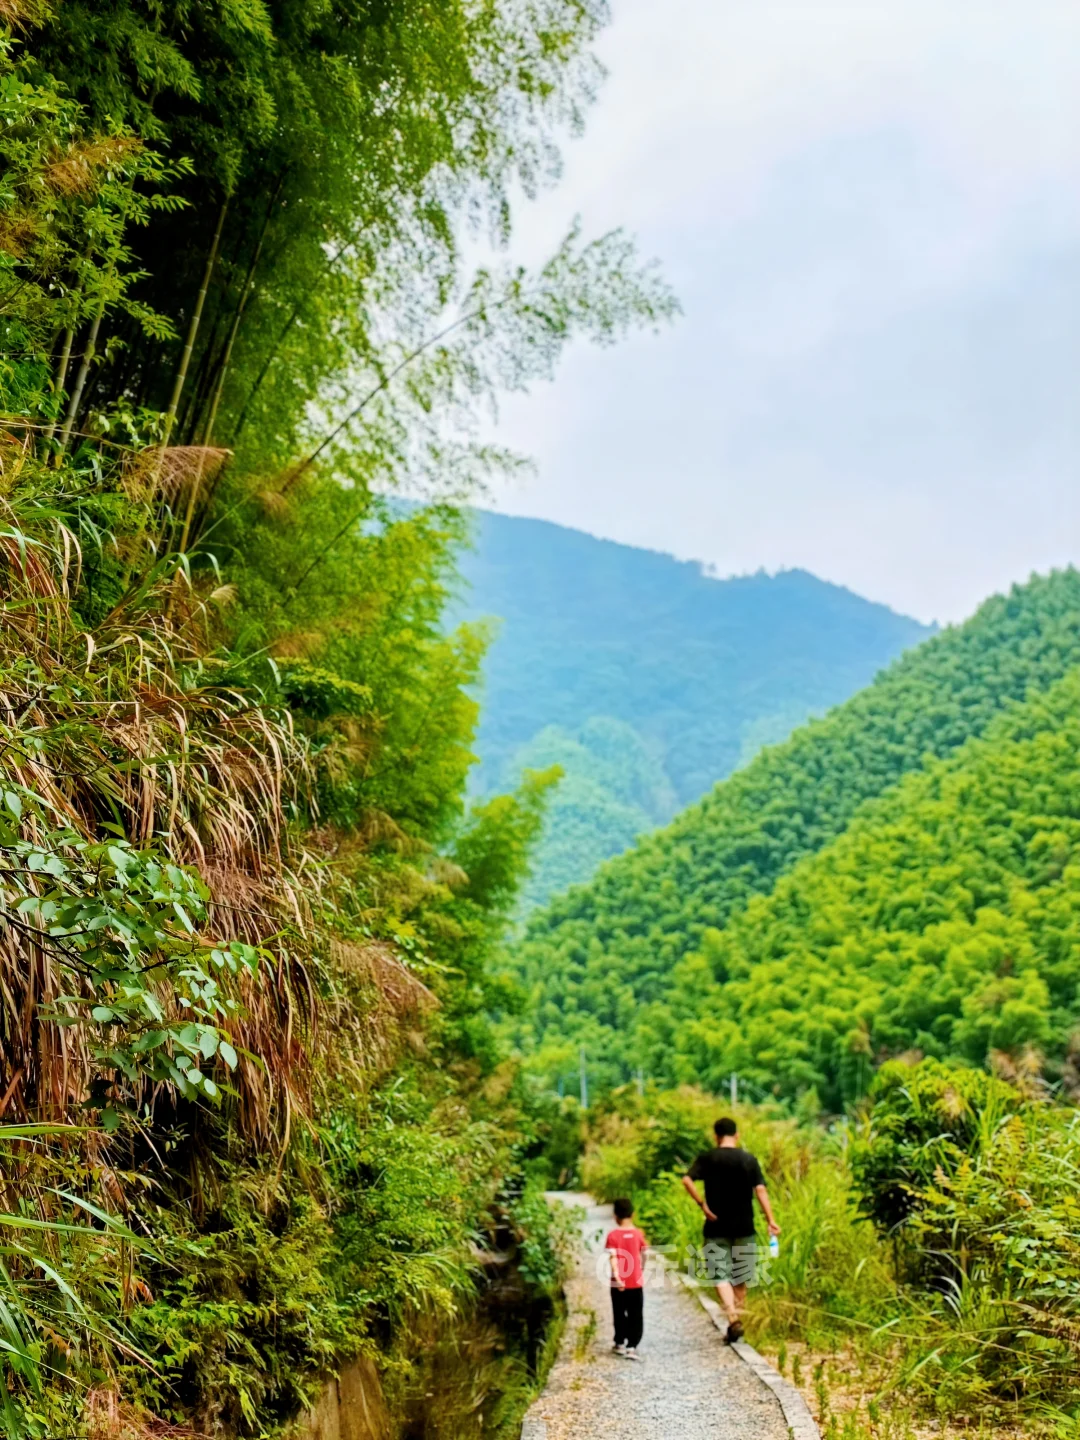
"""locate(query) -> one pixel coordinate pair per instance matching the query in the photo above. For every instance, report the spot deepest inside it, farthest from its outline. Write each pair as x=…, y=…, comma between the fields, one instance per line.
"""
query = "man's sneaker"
x=734, y=1331
x=631, y=1353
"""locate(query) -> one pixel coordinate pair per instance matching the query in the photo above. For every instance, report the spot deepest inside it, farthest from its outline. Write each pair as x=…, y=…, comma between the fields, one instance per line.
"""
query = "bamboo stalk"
x=80, y=383
x=234, y=329
x=384, y=384
x=223, y=369
x=185, y=361
x=69, y=340
x=200, y=380
x=61, y=375
x=193, y=327
x=328, y=264
x=264, y=371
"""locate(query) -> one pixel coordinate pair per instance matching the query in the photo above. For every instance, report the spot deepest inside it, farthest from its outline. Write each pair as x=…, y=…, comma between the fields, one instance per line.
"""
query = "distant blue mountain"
x=646, y=678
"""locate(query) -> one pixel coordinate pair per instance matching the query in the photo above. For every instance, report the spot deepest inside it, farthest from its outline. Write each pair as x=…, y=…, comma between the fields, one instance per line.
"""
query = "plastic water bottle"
x=774, y=1246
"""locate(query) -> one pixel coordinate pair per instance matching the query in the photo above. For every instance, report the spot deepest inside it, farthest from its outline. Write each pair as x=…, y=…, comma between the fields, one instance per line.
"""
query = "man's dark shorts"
x=730, y=1261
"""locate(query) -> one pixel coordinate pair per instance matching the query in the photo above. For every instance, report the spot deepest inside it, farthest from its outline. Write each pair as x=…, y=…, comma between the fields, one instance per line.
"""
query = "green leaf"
x=151, y=1040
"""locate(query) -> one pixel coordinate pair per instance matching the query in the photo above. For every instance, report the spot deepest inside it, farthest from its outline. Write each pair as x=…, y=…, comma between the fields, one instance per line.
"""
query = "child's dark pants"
x=626, y=1306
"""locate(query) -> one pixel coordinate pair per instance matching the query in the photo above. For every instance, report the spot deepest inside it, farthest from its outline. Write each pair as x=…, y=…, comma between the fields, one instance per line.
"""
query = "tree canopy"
x=944, y=921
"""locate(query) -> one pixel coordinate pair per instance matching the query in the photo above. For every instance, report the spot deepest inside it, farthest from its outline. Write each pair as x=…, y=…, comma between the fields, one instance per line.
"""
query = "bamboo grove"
x=254, y=1121
x=762, y=930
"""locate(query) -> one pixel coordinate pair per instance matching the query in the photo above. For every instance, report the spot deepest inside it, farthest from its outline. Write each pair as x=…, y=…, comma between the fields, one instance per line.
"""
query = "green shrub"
x=244, y=1321
x=547, y=1238
x=978, y=1186
x=925, y=1119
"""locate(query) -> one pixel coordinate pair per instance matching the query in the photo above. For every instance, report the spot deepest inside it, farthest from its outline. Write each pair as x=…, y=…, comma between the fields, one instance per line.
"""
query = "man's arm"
x=763, y=1200
x=692, y=1190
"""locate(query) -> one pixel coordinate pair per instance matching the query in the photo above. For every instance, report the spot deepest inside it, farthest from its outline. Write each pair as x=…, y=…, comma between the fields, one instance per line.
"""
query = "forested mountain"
x=613, y=788
x=646, y=678
x=945, y=920
x=595, y=957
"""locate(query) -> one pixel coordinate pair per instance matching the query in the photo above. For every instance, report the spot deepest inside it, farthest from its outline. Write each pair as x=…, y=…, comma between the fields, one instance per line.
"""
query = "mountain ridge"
x=693, y=671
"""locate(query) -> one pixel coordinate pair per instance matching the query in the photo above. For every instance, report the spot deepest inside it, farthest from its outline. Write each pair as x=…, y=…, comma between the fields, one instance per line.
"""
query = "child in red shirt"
x=626, y=1246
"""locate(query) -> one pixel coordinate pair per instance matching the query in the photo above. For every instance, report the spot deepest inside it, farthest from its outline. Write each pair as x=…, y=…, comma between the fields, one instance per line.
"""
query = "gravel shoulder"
x=688, y=1384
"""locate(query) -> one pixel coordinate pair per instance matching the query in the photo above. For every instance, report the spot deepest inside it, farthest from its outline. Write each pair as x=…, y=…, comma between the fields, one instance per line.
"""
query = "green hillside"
x=946, y=920
x=600, y=953
x=613, y=788
x=646, y=678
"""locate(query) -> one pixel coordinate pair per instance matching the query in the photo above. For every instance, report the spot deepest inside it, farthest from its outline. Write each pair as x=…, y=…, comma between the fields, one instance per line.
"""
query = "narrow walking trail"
x=687, y=1385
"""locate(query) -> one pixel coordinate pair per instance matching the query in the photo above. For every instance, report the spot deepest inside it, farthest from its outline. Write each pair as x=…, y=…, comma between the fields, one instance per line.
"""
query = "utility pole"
x=584, y=1079
x=734, y=1089
x=640, y=1080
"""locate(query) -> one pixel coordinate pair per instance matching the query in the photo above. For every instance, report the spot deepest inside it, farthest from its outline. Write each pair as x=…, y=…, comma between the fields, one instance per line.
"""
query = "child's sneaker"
x=631, y=1353
x=619, y=1349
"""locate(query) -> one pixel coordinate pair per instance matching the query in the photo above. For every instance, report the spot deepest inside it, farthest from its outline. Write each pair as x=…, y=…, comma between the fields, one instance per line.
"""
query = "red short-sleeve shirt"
x=629, y=1245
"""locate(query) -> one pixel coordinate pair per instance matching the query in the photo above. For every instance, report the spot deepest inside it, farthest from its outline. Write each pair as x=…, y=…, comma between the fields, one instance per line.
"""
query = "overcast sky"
x=870, y=211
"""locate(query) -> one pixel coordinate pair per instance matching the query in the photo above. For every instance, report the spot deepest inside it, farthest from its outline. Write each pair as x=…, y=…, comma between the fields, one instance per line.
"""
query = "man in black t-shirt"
x=732, y=1177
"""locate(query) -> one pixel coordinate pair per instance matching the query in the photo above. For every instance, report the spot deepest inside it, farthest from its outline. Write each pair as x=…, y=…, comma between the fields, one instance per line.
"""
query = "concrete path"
x=688, y=1385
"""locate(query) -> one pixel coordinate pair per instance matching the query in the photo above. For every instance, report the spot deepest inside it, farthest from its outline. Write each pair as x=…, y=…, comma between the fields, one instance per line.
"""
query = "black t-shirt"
x=730, y=1176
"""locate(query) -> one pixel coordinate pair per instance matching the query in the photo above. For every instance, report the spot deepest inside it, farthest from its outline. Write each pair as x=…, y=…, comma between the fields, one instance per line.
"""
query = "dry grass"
x=172, y=473
x=107, y=1417
x=136, y=720
x=18, y=232
x=130, y=722
x=75, y=170
x=21, y=14
x=398, y=992
x=377, y=1008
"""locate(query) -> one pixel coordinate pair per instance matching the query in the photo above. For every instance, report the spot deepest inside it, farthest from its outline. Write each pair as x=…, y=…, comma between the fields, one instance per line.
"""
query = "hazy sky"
x=871, y=214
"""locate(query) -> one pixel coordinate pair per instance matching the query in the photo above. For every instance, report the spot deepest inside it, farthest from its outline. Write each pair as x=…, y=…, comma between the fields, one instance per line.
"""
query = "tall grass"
x=117, y=716
x=66, y=1273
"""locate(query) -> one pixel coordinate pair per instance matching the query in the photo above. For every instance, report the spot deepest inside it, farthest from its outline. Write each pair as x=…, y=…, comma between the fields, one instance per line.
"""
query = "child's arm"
x=616, y=1273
